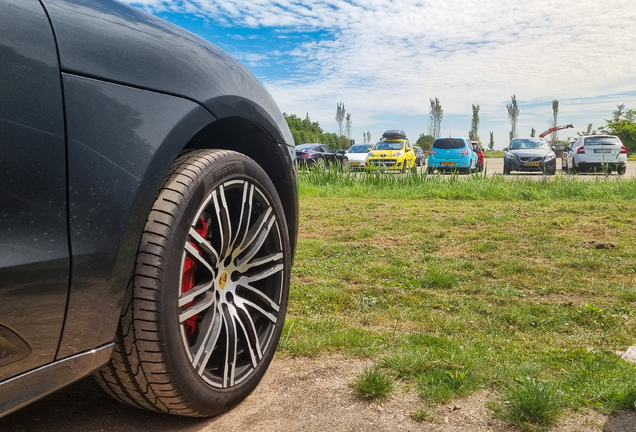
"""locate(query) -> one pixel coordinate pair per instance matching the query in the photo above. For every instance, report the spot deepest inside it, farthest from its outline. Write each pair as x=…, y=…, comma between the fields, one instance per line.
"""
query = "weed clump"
x=532, y=404
x=373, y=384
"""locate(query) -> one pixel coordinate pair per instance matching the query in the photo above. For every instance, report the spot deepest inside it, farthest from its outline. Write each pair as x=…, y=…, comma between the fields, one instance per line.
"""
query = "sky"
x=385, y=59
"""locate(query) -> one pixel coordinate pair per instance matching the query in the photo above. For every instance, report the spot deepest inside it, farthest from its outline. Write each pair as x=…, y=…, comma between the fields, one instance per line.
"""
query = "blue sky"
x=384, y=59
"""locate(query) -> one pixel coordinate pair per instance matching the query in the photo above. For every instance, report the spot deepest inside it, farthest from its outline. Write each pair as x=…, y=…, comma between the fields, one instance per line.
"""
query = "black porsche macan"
x=149, y=210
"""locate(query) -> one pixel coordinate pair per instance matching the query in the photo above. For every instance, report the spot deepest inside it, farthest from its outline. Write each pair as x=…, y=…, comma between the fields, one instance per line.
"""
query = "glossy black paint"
x=33, y=385
x=85, y=147
x=34, y=252
x=144, y=51
x=121, y=142
x=107, y=40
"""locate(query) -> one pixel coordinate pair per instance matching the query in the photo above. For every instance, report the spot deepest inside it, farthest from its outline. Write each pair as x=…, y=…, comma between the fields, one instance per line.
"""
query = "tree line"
x=622, y=124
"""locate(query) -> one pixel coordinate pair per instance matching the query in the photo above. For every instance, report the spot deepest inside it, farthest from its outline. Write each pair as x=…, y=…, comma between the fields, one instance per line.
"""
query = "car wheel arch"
x=253, y=140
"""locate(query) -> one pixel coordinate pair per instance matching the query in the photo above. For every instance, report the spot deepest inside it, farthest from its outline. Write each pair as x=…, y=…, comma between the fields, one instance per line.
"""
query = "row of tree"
x=622, y=124
x=306, y=131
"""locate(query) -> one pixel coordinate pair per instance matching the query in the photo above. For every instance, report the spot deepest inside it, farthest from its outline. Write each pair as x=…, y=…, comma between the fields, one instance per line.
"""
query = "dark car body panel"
x=34, y=250
x=107, y=40
x=121, y=143
x=86, y=143
x=144, y=51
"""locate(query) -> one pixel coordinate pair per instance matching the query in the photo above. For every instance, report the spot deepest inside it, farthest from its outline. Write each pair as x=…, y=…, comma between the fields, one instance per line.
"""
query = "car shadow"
x=621, y=421
x=84, y=406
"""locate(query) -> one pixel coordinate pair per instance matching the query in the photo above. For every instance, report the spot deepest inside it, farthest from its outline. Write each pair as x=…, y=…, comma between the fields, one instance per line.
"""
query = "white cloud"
x=390, y=57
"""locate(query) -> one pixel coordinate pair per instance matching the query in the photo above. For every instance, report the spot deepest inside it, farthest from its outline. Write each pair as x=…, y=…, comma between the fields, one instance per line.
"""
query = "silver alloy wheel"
x=230, y=304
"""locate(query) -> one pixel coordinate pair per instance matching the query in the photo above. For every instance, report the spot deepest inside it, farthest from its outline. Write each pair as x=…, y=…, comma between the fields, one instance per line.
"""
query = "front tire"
x=204, y=312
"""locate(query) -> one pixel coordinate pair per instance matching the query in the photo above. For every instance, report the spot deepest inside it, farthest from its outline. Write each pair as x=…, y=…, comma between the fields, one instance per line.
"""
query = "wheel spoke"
x=261, y=275
x=241, y=303
x=261, y=295
x=260, y=261
x=205, y=245
x=201, y=304
x=229, y=365
x=245, y=214
x=247, y=344
x=257, y=235
x=223, y=220
x=200, y=288
x=209, y=335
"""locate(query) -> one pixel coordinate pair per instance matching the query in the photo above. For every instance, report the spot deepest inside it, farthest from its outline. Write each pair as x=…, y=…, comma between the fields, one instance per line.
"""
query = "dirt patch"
x=316, y=395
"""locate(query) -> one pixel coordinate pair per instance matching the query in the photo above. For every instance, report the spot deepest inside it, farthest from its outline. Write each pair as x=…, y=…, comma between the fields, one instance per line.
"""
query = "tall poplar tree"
x=513, y=115
x=474, y=126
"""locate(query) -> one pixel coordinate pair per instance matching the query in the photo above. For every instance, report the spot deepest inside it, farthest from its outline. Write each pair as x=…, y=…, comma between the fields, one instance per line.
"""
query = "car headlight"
x=510, y=155
x=398, y=154
x=550, y=156
x=370, y=154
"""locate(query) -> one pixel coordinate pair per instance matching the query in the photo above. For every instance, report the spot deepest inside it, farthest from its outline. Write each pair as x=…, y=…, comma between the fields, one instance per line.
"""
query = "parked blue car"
x=452, y=154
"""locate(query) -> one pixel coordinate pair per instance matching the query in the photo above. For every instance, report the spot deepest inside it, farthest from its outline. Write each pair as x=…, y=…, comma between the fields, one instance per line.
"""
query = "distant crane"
x=554, y=129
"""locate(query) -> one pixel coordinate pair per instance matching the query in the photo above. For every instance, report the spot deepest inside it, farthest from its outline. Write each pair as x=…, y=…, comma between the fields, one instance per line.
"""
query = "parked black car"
x=310, y=154
x=149, y=210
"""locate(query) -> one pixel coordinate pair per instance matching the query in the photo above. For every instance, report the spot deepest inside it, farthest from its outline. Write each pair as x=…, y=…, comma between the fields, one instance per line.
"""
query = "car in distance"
x=420, y=156
x=357, y=155
x=596, y=152
x=393, y=152
x=564, y=154
x=149, y=194
x=529, y=154
x=452, y=154
x=480, y=155
x=316, y=154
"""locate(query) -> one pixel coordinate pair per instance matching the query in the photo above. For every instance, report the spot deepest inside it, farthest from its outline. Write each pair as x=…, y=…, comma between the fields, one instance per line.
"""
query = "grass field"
x=494, y=154
x=526, y=288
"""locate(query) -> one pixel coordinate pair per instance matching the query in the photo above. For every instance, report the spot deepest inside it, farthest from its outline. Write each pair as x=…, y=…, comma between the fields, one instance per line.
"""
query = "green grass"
x=373, y=384
x=494, y=154
x=527, y=298
x=532, y=404
x=422, y=415
x=345, y=183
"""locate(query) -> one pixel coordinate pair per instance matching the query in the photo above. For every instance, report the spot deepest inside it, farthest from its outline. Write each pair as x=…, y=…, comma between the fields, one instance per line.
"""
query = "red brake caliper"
x=189, y=273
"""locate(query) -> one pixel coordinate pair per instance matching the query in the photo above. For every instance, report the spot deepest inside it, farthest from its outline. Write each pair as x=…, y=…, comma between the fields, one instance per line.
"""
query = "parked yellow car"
x=392, y=152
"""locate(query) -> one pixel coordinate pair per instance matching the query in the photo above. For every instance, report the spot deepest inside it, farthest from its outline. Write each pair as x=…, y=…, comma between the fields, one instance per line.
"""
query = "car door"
x=410, y=154
x=34, y=248
x=572, y=153
x=329, y=153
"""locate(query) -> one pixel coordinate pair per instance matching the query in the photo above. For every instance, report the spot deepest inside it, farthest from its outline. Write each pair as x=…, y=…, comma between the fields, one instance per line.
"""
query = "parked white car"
x=596, y=152
x=357, y=155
